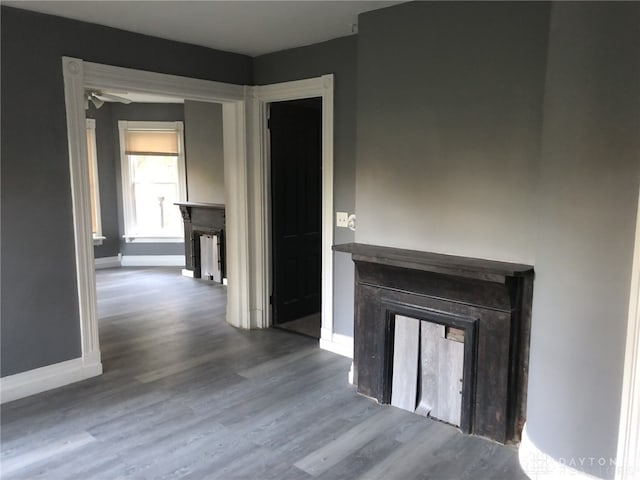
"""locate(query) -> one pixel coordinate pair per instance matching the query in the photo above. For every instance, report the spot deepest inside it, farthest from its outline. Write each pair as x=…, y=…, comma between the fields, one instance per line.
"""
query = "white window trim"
x=97, y=236
x=127, y=200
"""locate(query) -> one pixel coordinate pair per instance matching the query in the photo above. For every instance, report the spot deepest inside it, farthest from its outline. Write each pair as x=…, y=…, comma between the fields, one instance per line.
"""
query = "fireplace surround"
x=202, y=219
x=489, y=301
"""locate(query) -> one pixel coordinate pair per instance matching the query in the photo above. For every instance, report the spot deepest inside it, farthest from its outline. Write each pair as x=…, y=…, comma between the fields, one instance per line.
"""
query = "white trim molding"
x=234, y=132
x=258, y=99
x=79, y=75
x=96, y=212
x=127, y=172
x=337, y=343
x=108, y=262
x=152, y=261
x=41, y=379
x=73, y=71
x=628, y=457
x=541, y=466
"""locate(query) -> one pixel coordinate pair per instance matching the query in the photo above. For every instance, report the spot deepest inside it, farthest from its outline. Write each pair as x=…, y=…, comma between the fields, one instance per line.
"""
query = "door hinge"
x=270, y=299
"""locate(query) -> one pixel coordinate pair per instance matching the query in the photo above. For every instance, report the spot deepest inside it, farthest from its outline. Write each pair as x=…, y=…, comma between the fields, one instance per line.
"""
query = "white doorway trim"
x=79, y=75
x=259, y=175
x=628, y=457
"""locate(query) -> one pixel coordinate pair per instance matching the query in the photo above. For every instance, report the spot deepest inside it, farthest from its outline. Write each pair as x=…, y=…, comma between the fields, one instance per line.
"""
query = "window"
x=153, y=179
x=94, y=189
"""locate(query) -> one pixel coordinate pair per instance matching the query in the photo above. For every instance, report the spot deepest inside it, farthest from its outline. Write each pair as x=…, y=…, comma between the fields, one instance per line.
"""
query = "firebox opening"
x=428, y=369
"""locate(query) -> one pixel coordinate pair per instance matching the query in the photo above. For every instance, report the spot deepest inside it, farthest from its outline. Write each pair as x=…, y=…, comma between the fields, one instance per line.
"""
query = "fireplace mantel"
x=489, y=270
x=493, y=299
x=202, y=219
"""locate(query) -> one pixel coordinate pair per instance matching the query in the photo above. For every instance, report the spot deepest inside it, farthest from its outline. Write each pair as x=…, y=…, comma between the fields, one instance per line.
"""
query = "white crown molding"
x=41, y=379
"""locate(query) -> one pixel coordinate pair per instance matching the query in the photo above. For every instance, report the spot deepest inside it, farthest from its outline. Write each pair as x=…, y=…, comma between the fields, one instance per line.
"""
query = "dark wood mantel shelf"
x=488, y=270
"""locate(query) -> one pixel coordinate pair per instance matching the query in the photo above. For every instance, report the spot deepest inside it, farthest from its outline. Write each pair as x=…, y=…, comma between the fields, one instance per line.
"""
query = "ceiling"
x=247, y=27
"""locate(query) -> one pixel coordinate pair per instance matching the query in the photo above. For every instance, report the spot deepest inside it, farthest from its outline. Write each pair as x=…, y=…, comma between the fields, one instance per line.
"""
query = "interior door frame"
x=260, y=174
x=79, y=75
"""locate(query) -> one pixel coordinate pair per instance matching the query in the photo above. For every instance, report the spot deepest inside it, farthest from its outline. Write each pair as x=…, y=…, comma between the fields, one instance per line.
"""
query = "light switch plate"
x=342, y=219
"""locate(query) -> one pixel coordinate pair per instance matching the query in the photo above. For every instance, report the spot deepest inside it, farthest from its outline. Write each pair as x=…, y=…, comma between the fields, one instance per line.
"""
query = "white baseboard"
x=336, y=343
x=107, y=262
x=187, y=273
x=53, y=376
x=153, y=260
x=541, y=466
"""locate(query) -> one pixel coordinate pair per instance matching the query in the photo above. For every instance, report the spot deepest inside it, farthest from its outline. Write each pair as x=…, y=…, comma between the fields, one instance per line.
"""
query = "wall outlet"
x=342, y=219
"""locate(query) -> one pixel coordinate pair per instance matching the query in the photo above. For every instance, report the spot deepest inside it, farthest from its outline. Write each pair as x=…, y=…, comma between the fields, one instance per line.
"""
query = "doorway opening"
x=80, y=76
x=295, y=150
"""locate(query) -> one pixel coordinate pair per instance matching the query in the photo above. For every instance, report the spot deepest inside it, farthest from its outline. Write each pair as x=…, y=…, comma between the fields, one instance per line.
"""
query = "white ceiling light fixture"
x=97, y=98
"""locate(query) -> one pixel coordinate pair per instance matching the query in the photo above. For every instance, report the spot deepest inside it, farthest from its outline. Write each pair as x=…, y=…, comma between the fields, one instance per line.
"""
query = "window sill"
x=98, y=239
x=143, y=239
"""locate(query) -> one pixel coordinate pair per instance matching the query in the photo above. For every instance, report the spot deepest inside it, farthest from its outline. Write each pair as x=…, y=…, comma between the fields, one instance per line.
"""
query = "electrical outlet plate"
x=342, y=219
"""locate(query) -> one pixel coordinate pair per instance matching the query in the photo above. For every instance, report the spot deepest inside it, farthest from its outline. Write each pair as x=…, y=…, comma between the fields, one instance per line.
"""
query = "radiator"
x=209, y=258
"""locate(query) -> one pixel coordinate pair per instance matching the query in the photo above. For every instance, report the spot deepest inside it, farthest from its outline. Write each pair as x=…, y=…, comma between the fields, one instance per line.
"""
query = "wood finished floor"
x=184, y=395
x=309, y=326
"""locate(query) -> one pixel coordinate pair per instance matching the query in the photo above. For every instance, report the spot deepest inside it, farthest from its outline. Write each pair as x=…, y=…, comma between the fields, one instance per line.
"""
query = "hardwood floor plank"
x=18, y=461
x=414, y=455
x=332, y=453
x=276, y=363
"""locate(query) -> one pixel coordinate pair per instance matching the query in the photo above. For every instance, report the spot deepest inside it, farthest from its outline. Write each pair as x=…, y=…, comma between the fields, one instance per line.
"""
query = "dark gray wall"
x=40, y=324
x=587, y=201
x=205, y=154
x=338, y=57
x=449, y=118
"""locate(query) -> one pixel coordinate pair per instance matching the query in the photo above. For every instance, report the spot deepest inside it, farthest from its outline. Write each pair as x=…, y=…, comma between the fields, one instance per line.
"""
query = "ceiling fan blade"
x=115, y=98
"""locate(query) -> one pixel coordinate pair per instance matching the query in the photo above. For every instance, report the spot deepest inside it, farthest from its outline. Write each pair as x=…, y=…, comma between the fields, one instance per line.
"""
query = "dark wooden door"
x=296, y=199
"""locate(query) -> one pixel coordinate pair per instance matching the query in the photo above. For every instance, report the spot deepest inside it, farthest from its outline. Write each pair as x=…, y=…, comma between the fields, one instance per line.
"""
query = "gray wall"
x=337, y=57
x=587, y=201
x=40, y=323
x=204, y=152
x=449, y=118
x=510, y=131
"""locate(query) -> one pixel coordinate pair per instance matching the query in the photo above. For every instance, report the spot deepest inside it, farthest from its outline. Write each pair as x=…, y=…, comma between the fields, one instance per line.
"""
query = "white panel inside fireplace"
x=209, y=259
x=427, y=370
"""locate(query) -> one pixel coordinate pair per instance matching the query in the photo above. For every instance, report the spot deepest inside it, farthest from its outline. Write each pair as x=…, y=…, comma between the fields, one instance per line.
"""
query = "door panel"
x=296, y=200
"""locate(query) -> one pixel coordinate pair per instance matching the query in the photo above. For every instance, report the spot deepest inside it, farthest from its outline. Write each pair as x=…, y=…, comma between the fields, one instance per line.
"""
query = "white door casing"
x=79, y=75
x=259, y=172
x=246, y=177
